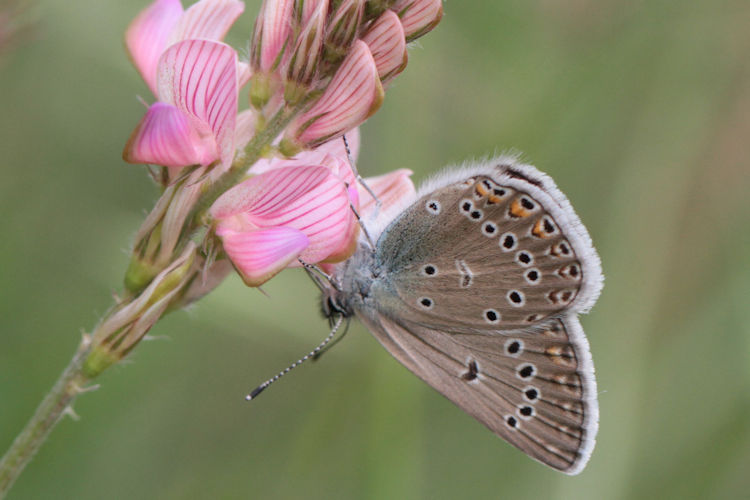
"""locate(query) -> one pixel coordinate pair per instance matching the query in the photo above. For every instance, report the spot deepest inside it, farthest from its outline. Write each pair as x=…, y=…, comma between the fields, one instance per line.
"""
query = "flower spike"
x=352, y=96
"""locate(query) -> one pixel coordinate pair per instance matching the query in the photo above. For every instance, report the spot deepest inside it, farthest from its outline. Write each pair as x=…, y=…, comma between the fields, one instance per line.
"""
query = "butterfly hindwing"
x=536, y=389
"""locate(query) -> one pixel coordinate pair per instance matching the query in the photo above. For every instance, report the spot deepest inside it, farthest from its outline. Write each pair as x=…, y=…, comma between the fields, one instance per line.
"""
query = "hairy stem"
x=79, y=372
x=72, y=382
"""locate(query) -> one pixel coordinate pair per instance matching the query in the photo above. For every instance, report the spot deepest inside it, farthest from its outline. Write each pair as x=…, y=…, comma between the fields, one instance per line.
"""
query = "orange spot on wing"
x=517, y=210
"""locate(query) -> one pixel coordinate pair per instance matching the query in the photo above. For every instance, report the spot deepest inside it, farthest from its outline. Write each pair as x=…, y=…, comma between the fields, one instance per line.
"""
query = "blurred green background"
x=639, y=110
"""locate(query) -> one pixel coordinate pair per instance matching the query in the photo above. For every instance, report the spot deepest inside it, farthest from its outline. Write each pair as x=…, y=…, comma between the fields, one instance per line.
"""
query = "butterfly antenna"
x=327, y=348
x=262, y=387
x=359, y=178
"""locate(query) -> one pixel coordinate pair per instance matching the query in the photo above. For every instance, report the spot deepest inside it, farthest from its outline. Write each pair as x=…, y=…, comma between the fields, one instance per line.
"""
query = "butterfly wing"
x=534, y=389
x=496, y=248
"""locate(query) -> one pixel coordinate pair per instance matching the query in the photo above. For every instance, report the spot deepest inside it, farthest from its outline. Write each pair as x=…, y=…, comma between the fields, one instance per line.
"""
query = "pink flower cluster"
x=327, y=61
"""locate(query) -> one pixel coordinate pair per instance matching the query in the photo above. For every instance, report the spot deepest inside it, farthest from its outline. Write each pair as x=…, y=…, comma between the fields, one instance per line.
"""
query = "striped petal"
x=351, y=97
x=309, y=199
x=273, y=27
x=418, y=16
x=387, y=43
x=146, y=37
x=207, y=19
x=199, y=77
x=392, y=189
x=164, y=137
x=260, y=254
x=331, y=154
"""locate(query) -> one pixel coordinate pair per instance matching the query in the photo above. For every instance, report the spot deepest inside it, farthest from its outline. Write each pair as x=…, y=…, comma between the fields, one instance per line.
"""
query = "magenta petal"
x=310, y=199
x=199, y=77
x=146, y=37
x=259, y=254
x=387, y=43
x=207, y=19
x=272, y=31
x=353, y=94
x=164, y=137
x=418, y=16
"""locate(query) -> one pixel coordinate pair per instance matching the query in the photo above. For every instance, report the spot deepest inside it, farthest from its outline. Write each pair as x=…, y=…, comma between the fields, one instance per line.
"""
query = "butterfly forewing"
x=481, y=254
x=535, y=390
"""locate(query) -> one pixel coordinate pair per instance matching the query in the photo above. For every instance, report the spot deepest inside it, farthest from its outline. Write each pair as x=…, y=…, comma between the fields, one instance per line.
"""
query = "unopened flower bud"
x=305, y=56
x=343, y=28
x=351, y=97
x=419, y=17
x=374, y=8
x=122, y=330
x=273, y=29
x=386, y=40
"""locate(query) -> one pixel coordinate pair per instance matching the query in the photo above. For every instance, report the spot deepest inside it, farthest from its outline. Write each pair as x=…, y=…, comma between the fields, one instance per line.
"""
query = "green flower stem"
x=71, y=383
x=91, y=359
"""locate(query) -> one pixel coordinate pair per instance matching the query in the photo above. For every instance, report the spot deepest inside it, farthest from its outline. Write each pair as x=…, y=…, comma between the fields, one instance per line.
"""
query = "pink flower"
x=194, y=120
x=351, y=97
x=165, y=23
x=269, y=221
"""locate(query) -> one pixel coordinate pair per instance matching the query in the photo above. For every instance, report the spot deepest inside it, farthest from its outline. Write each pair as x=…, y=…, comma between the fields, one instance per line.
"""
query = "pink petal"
x=243, y=74
x=260, y=254
x=335, y=147
x=351, y=97
x=164, y=137
x=207, y=19
x=310, y=199
x=309, y=7
x=331, y=154
x=272, y=31
x=305, y=56
x=244, y=128
x=199, y=77
x=344, y=23
x=418, y=16
x=392, y=189
x=387, y=43
x=146, y=37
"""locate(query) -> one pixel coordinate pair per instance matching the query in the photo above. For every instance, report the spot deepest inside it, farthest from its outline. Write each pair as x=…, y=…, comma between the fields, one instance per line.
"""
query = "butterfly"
x=475, y=286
